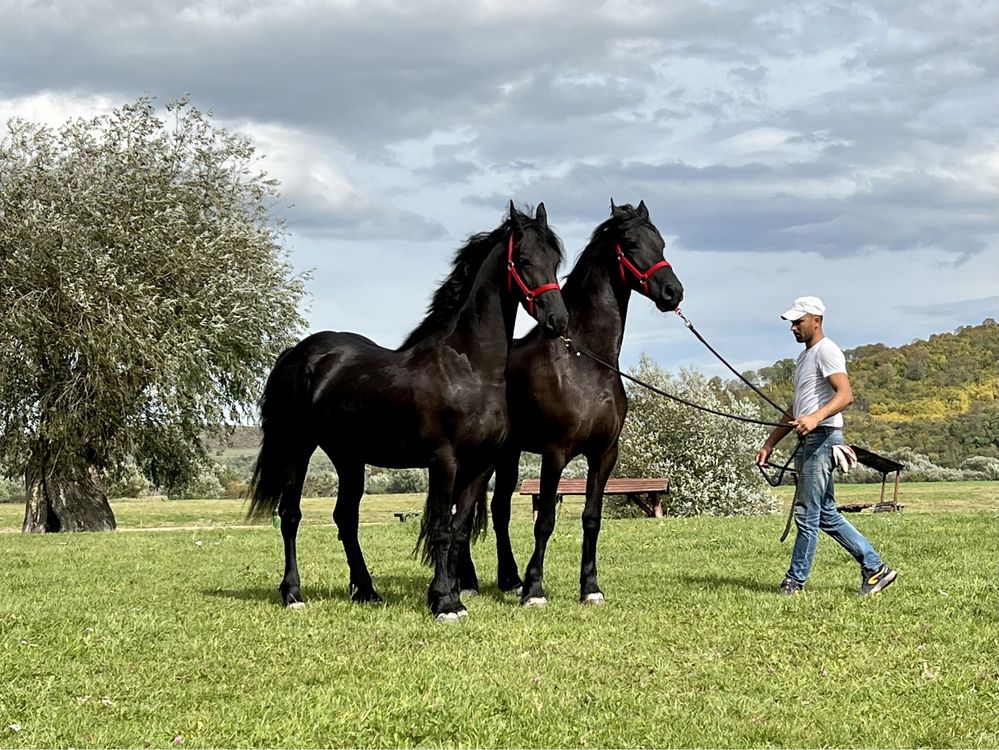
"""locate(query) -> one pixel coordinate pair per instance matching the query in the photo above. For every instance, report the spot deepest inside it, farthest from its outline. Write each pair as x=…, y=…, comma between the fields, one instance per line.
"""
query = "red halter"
x=643, y=278
x=529, y=294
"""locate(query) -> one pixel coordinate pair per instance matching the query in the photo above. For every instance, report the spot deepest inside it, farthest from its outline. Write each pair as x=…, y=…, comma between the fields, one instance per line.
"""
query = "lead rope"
x=578, y=350
x=772, y=481
x=721, y=359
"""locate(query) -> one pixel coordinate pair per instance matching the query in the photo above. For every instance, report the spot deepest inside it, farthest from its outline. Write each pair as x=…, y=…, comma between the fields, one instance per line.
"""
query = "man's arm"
x=843, y=397
x=776, y=435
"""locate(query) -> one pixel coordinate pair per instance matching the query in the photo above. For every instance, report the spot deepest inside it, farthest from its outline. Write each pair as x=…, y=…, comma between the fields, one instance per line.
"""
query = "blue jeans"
x=815, y=507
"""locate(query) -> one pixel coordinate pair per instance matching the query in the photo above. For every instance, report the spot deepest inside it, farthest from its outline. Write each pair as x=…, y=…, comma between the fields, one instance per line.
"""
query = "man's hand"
x=804, y=425
x=762, y=455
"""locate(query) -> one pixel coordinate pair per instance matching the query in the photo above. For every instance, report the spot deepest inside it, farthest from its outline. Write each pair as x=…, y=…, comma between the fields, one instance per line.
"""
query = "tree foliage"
x=708, y=459
x=144, y=293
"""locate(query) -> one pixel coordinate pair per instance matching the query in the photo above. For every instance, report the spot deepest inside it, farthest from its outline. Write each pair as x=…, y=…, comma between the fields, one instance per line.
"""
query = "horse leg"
x=442, y=597
x=507, y=470
x=471, y=510
x=551, y=471
x=346, y=514
x=290, y=511
x=596, y=480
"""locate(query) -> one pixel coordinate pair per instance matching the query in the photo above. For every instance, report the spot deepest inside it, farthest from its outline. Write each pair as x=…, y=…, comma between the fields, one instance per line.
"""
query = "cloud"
x=855, y=138
x=965, y=309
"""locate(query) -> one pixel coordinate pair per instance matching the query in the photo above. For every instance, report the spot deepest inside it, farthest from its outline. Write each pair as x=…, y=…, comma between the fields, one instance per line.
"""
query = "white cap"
x=805, y=306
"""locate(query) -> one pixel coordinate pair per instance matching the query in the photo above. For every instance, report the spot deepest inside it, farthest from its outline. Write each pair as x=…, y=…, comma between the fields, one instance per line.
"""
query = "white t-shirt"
x=811, y=384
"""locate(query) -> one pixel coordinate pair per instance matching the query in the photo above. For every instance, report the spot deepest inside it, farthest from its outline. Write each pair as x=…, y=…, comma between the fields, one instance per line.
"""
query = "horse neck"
x=598, y=305
x=483, y=326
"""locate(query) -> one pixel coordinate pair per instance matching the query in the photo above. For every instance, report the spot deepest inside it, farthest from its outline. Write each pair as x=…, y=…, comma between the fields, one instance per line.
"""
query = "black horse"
x=438, y=401
x=563, y=405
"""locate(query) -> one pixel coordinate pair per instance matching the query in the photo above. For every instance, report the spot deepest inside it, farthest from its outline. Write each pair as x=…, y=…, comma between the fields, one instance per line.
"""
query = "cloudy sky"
x=842, y=149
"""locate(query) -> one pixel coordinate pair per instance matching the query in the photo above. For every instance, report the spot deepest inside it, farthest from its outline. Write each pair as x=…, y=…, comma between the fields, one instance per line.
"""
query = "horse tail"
x=282, y=410
x=480, y=514
x=425, y=546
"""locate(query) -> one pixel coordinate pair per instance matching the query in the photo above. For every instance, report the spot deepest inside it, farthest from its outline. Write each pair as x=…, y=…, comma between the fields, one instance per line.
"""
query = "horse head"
x=533, y=257
x=639, y=249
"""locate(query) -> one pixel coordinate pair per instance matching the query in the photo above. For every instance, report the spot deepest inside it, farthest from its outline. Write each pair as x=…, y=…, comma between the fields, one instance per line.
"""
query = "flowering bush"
x=394, y=481
x=708, y=459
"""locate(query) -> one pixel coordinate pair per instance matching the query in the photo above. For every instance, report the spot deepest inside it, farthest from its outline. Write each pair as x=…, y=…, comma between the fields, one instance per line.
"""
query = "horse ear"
x=513, y=211
x=613, y=207
x=541, y=216
x=643, y=212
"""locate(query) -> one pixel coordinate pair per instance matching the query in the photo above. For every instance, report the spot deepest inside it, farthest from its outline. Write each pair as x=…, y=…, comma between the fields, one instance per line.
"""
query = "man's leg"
x=845, y=533
x=814, y=466
x=875, y=575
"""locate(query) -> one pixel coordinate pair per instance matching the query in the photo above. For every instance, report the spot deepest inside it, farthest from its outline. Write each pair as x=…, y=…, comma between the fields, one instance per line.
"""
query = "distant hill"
x=938, y=397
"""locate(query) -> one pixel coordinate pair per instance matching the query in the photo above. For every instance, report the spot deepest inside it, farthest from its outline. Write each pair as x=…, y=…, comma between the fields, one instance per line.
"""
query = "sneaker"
x=790, y=587
x=880, y=579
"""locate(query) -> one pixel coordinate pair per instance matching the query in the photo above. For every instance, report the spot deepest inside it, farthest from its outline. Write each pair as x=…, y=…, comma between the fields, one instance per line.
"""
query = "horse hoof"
x=515, y=591
x=469, y=593
x=535, y=601
x=462, y=613
x=295, y=605
x=447, y=618
x=595, y=600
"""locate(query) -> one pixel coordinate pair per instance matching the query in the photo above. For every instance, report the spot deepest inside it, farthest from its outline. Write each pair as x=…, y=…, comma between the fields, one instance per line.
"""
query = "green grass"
x=152, y=513
x=130, y=640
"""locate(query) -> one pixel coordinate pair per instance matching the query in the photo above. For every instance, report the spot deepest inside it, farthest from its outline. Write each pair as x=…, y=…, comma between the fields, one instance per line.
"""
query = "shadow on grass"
x=495, y=593
x=396, y=591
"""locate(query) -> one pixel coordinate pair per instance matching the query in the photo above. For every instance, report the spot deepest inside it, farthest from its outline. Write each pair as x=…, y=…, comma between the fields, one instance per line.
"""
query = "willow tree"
x=144, y=293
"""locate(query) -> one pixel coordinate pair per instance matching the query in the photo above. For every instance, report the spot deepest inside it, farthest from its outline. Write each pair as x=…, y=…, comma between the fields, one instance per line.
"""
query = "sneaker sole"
x=884, y=582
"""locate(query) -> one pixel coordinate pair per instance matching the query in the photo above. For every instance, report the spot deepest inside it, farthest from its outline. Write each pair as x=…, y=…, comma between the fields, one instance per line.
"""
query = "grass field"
x=917, y=497
x=177, y=637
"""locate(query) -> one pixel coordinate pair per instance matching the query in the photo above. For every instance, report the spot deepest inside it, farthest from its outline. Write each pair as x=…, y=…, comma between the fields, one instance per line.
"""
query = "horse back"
x=399, y=408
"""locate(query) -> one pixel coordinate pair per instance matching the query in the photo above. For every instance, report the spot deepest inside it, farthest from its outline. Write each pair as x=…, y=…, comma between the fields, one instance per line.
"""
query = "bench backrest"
x=614, y=486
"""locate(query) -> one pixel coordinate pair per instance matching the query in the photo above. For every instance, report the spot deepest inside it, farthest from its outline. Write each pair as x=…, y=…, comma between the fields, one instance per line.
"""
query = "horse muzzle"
x=551, y=315
x=669, y=298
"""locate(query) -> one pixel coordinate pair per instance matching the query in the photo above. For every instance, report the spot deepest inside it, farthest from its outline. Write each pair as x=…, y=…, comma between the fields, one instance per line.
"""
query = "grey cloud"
x=753, y=76
x=755, y=207
x=959, y=310
x=558, y=99
x=449, y=171
x=370, y=222
x=366, y=73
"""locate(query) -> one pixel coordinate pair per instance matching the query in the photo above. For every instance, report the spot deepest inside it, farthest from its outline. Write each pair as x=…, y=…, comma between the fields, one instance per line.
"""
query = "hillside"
x=939, y=397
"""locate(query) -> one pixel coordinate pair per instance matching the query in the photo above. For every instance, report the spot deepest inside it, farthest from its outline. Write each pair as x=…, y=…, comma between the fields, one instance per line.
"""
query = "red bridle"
x=529, y=294
x=643, y=278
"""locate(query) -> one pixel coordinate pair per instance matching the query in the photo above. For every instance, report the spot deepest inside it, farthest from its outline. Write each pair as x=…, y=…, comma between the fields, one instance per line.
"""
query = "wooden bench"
x=884, y=465
x=645, y=493
x=405, y=515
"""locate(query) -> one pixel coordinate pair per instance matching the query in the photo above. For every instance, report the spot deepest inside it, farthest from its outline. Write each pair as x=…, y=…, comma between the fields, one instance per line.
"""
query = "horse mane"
x=625, y=217
x=454, y=290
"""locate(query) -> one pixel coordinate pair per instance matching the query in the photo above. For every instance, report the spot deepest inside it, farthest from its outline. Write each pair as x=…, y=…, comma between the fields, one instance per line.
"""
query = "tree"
x=144, y=294
x=708, y=459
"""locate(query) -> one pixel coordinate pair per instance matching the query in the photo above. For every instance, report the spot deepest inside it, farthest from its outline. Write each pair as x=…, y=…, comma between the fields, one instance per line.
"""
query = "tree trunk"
x=64, y=500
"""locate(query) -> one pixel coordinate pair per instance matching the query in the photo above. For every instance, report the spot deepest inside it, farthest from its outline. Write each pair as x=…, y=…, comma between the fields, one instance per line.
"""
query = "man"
x=821, y=392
